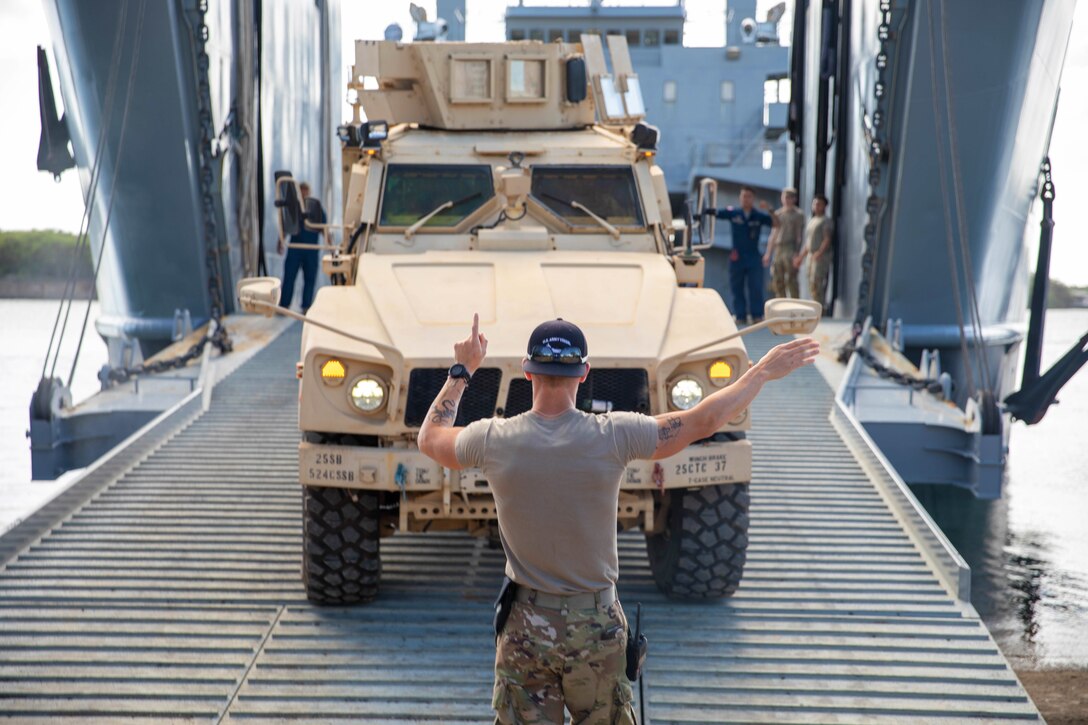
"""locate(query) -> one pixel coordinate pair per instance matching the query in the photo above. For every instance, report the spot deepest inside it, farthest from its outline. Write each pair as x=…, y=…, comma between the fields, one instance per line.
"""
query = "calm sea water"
x=1028, y=551
x=25, y=327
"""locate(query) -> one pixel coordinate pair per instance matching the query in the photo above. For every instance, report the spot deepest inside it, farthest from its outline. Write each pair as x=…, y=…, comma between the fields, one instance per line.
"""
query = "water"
x=25, y=327
x=1028, y=552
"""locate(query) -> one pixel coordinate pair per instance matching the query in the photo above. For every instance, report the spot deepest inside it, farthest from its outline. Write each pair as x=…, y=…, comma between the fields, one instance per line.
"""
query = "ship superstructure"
x=722, y=111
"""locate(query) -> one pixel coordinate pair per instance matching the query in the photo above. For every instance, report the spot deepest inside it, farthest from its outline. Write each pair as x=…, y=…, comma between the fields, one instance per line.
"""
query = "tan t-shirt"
x=791, y=224
x=817, y=228
x=556, y=483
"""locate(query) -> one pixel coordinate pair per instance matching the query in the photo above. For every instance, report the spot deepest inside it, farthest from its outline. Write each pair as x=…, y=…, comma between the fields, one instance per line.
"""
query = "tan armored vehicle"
x=517, y=181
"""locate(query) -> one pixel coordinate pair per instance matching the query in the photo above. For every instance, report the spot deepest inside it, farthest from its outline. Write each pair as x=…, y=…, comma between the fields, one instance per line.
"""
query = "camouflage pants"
x=784, y=279
x=817, y=279
x=547, y=658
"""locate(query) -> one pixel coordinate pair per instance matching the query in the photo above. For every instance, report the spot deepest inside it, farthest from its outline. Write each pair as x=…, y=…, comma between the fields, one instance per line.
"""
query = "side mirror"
x=259, y=294
x=787, y=316
x=707, y=200
x=783, y=315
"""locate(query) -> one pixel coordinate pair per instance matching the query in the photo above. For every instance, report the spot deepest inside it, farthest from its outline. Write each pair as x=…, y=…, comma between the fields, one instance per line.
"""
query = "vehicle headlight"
x=686, y=393
x=367, y=394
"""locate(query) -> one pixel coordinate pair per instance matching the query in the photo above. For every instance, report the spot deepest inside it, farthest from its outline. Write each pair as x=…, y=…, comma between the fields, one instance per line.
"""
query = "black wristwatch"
x=459, y=371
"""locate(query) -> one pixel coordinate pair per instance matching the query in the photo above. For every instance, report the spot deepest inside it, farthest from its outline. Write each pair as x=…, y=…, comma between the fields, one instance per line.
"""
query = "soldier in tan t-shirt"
x=555, y=473
x=784, y=246
x=818, y=234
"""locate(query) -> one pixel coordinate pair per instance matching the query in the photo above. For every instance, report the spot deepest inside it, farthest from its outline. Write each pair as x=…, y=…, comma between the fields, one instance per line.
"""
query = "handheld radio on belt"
x=636, y=657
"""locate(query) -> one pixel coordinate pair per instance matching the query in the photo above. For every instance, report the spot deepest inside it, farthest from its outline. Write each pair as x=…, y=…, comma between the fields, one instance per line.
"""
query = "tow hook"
x=659, y=477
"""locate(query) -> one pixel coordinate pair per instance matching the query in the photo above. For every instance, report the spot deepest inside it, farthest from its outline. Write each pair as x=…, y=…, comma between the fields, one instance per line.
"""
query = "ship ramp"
x=164, y=587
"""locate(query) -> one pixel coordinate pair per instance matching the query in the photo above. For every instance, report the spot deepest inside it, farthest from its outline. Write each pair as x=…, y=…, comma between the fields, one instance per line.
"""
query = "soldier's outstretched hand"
x=789, y=356
x=471, y=351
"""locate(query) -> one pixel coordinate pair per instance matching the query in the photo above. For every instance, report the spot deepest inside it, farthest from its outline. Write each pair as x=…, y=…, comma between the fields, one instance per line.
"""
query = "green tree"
x=42, y=254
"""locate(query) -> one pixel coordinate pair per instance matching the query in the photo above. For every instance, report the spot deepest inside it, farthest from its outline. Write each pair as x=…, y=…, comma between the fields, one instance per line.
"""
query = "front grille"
x=478, y=402
x=626, y=388
x=519, y=399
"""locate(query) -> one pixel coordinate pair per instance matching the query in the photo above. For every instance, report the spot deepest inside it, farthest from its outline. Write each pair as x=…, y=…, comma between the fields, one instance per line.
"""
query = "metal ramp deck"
x=165, y=588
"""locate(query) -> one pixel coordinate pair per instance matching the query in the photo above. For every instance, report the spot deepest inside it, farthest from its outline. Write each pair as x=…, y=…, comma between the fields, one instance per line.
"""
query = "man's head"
x=747, y=197
x=789, y=197
x=557, y=354
x=304, y=189
x=819, y=205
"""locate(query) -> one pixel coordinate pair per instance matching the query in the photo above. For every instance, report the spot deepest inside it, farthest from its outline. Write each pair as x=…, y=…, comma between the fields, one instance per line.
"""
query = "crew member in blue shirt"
x=308, y=261
x=745, y=261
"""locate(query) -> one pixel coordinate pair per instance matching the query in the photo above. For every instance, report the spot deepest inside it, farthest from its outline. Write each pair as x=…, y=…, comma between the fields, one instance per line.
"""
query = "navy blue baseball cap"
x=557, y=347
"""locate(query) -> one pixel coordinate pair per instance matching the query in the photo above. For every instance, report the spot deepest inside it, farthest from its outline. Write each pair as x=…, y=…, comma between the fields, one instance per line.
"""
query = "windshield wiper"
x=410, y=231
x=583, y=208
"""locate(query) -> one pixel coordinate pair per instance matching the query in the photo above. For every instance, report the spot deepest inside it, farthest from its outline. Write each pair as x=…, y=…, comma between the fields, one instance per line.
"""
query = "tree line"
x=42, y=254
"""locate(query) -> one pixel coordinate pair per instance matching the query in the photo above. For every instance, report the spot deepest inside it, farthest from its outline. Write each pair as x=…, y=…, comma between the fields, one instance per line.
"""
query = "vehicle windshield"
x=607, y=191
x=414, y=190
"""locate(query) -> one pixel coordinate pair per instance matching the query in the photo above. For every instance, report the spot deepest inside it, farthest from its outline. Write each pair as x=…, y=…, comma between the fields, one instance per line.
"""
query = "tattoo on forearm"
x=670, y=429
x=444, y=412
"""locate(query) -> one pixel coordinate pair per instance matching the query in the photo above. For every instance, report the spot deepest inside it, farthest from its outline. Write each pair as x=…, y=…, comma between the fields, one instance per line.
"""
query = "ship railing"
x=744, y=151
x=951, y=569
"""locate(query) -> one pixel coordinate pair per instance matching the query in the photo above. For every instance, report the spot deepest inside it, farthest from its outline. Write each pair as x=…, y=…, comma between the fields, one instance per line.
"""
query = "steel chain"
x=878, y=156
x=930, y=385
x=218, y=335
x=1047, y=192
x=217, y=338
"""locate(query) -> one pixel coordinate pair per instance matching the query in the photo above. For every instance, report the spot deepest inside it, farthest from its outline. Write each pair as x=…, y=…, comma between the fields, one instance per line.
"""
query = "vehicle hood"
x=627, y=304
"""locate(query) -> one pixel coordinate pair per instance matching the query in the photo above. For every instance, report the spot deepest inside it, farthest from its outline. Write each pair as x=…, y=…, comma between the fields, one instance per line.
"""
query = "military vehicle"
x=517, y=181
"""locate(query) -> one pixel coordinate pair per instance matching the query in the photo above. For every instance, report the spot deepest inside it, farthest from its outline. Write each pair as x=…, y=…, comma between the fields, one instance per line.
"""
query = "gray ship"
x=927, y=123
x=178, y=114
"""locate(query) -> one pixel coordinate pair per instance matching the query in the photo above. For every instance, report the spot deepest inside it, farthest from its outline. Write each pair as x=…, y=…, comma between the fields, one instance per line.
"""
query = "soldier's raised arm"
x=676, y=431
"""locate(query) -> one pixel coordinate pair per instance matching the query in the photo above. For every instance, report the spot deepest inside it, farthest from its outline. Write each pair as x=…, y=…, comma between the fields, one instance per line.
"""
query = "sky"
x=31, y=199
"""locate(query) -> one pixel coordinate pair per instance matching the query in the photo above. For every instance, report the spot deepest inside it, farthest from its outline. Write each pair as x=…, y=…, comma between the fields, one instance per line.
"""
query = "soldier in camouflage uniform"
x=586, y=647
x=555, y=474
x=784, y=246
x=817, y=247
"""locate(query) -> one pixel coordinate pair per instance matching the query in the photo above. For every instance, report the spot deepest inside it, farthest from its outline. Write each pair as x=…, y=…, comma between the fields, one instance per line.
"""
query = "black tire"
x=701, y=552
x=341, y=559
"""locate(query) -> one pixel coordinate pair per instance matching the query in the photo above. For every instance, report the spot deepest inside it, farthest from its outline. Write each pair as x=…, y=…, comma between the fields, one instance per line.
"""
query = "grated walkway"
x=174, y=595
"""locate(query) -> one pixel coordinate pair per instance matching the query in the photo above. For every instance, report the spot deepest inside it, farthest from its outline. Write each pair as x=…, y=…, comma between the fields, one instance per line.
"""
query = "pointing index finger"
x=475, y=324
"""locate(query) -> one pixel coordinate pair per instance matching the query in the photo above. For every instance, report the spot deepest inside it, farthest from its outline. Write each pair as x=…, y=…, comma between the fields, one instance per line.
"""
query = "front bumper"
x=407, y=471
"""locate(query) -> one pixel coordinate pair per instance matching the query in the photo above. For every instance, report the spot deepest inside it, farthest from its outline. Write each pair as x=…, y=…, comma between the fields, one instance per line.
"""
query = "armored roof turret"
x=500, y=86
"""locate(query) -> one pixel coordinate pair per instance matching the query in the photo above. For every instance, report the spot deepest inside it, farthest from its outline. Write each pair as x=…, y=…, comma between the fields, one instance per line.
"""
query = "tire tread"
x=341, y=557
x=702, y=552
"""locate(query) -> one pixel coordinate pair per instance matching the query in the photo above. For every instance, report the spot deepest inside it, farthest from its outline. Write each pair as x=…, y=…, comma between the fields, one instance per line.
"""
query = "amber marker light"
x=333, y=372
x=721, y=372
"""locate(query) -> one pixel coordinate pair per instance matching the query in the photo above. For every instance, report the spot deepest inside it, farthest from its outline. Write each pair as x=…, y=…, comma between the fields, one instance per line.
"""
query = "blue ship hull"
x=130, y=79
x=179, y=113
x=926, y=122
x=968, y=100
